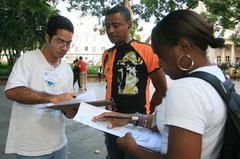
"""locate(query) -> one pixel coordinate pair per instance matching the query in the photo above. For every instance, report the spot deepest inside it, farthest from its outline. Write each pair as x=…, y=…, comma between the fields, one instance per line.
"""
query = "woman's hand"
x=127, y=143
x=115, y=119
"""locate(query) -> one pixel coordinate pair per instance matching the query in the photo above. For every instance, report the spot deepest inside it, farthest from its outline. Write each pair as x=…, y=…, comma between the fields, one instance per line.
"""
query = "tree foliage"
x=226, y=14
x=228, y=11
x=98, y=8
x=23, y=25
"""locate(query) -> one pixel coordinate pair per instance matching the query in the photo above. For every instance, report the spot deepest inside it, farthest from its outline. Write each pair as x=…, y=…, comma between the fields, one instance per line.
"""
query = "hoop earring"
x=179, y=65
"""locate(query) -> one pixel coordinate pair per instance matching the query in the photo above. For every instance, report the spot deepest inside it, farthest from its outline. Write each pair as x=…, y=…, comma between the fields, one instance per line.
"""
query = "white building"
x=87, y=42
x=229, y=54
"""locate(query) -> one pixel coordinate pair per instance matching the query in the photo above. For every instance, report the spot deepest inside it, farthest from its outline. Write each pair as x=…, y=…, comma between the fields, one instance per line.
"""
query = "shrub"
x=92, y=69
x=5, y=69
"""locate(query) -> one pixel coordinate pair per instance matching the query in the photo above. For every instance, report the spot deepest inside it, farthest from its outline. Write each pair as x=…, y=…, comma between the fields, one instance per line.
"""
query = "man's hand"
x=62, y=97
x=26, y=95
x=70, y=113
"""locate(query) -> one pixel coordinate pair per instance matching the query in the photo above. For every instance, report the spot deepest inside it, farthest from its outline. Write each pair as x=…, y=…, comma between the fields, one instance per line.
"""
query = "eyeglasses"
x=62, y=43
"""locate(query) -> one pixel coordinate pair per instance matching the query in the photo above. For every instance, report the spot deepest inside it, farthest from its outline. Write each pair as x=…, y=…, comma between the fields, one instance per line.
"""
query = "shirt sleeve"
x=185, y=109
x=150, y=58
x=20, y=73
x=153, y=64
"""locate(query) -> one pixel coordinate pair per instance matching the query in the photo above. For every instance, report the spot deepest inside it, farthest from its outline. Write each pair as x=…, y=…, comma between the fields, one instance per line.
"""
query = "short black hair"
x=80, y=57
x=58, y=22
x=122, y=10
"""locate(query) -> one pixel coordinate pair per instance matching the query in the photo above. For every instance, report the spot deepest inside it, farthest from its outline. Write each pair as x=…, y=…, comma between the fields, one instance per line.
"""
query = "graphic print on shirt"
x=51, y=81
x=127, y=73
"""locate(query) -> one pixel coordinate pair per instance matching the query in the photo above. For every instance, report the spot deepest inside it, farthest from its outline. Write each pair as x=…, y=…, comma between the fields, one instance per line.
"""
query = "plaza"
x=83, y=141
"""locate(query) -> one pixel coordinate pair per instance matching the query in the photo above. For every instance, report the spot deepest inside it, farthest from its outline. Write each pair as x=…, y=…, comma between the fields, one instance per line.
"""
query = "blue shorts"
x=60, y=154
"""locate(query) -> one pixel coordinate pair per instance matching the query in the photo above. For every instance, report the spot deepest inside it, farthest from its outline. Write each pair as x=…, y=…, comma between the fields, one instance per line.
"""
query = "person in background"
x=100, y=74
x=76, y=73
x=128, y=67
x=40, y=77
x=192, y=116
x=83, y=74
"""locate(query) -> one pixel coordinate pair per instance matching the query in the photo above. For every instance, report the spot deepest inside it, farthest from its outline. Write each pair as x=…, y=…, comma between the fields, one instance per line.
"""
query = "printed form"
x=143, y=136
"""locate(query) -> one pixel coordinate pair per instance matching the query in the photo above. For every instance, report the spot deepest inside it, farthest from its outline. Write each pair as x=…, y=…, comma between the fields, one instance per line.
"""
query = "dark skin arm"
x=115, y=122
x=182, y=144
x=28, y=96
x=159, y=82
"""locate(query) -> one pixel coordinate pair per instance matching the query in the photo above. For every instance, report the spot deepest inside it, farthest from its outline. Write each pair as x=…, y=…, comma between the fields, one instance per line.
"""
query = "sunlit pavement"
x=83, y=141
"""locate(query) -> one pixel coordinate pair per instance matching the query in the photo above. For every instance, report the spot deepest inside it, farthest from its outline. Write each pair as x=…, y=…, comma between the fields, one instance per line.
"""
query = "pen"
x=134, y=118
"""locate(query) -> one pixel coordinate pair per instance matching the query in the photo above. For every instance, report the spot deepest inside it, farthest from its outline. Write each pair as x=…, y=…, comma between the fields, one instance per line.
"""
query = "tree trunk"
x=128, y=5
x=1, y=55
x=7, y=55
x=148, y=40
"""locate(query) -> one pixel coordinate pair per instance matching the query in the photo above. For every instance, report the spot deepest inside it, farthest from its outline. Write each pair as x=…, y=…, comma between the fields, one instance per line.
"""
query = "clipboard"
x=75, y=104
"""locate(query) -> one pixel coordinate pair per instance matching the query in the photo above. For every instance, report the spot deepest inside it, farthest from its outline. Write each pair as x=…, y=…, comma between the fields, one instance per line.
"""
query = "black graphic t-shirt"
x=129, y=80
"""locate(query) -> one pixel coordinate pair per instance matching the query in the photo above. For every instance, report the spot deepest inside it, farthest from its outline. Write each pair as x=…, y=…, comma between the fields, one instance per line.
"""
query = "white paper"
x=87, y=96
x=144, y=137
x=83, y=97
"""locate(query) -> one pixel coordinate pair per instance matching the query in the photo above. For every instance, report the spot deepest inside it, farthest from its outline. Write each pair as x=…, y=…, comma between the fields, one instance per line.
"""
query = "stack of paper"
x=144, y=137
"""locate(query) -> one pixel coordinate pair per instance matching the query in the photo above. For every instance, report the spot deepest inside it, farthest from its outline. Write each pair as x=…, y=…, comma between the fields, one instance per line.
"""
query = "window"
x=102, y=48
x=218, y=59
x=86, y=48
x=93, y=49
x=237, y=60
x=227, y=58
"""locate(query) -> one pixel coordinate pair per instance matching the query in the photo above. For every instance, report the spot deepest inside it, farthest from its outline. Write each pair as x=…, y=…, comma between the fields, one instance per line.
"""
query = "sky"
x=147, y=27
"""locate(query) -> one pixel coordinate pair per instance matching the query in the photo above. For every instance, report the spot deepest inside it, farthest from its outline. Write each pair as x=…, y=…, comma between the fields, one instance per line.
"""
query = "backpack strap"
x=231, y=140
x=215, y=82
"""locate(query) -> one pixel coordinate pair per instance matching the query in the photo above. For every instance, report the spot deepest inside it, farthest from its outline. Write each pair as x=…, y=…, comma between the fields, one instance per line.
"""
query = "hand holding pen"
x=115, y=119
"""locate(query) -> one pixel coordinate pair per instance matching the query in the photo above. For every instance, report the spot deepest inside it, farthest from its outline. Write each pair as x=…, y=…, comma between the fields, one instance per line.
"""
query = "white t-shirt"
x=195, y=105
x=34, y=131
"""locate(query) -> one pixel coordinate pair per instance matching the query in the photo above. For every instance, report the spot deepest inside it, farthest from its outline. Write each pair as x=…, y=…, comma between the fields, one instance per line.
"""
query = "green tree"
x=23, y=25
x=98, y=8
x=226, y=14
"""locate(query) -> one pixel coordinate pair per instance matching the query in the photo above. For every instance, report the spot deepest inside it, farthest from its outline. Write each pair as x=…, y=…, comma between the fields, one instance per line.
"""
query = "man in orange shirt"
x=128, y=67
x=83, y=74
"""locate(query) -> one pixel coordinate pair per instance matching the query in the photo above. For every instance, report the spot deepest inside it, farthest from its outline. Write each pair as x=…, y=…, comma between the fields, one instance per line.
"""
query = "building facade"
x=87, y=41
x=229, y=54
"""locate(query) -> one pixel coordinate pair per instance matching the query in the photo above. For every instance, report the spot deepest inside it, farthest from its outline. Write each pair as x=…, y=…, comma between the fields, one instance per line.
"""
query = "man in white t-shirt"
x=40, y=77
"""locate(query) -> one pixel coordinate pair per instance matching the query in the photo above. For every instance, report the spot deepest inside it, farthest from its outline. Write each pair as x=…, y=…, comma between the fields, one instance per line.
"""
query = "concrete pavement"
x=83, y=140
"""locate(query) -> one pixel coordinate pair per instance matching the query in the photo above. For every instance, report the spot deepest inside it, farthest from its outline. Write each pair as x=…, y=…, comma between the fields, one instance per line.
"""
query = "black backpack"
x=231, y=143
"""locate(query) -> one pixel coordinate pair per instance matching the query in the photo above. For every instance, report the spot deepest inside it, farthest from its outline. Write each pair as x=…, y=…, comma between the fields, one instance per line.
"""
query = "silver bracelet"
x=145, y=121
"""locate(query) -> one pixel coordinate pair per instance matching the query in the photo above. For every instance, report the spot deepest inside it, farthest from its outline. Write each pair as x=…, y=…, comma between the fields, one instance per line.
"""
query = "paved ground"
x=83, y=140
